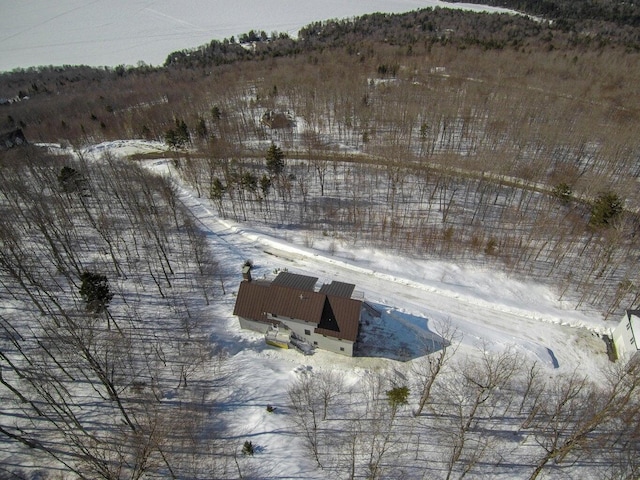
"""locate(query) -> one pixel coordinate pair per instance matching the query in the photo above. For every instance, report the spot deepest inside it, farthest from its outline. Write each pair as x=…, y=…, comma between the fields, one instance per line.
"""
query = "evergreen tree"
x=177, y=137
x=71, y=180
x=216, y=113
x=398, y=396
x=182, y=131
x=605, y=210
x=248, y=448
x=95, y=291
x=265, y=185
x=275, y=160
x=201, y=128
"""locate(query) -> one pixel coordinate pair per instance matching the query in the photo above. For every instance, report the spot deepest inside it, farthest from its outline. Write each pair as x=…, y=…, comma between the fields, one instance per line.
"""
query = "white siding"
x=626, y=336
x=253, y=325
x=306, y=330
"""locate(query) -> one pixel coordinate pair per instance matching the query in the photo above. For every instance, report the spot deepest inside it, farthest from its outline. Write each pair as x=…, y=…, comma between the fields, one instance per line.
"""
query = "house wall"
x=253, y=325
x=305, y=330
x=332, y=344
x=624, y=337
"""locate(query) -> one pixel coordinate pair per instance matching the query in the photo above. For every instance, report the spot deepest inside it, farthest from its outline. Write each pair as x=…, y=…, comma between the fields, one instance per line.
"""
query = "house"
x=626, y=337
x=14, y=138
x=328, y=318
x=276, y=120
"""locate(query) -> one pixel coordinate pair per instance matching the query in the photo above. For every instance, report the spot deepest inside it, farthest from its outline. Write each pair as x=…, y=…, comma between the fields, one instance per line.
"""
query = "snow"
x=114, y=32
x=491, y=310
x=486, y=305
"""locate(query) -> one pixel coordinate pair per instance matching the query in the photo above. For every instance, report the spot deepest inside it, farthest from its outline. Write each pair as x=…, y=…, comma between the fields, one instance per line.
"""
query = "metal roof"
x=250, y=300
x=345, y=321
x=293, y=280
x=339, y=289
x=333, y=315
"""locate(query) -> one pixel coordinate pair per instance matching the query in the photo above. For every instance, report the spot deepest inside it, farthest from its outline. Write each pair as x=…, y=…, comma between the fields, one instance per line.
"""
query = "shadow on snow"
x=389, y=333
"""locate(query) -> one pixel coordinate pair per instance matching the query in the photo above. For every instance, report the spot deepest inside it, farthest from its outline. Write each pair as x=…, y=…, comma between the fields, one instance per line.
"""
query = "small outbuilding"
x=14, y=138
x=277, y=120
x=626, y=337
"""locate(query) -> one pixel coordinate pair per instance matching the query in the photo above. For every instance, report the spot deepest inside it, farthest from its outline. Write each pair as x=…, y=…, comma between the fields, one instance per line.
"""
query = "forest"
x=512, y=128
x=506, y=141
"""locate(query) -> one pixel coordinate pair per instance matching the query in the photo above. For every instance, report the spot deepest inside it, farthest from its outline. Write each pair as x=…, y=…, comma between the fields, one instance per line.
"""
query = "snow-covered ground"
x=488, y=307
x=114, y=32
x=492, y=311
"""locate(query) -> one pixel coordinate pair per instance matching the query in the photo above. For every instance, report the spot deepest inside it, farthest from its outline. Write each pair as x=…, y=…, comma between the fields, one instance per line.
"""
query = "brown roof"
x=250, y=299
x=335, y=316
x=346, y=313
x=295, y=303
x=301, y=282
x=339, y=289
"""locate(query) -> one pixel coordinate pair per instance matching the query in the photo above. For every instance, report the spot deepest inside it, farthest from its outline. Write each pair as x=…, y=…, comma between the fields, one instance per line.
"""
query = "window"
x=342, y=349
x=307, y=332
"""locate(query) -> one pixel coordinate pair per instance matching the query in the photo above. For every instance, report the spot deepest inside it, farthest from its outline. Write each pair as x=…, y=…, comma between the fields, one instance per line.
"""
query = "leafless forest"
x=85, y=373
x=493, y=150
x=499, y=140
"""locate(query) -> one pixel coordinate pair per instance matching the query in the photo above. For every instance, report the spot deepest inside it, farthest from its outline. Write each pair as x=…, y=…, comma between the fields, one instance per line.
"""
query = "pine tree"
x=71, y=180
x=605, y=210
x=398, y=396
x=275, y=160
x=95, y=291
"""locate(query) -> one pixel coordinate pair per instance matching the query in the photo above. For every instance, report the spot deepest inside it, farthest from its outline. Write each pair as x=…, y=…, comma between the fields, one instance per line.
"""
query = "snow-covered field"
x=114, y=32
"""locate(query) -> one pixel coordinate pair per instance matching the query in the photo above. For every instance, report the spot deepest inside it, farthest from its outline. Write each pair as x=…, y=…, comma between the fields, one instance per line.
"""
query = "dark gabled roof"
x=293, y=280
x=295, y=303
x=345, y=321
x=292, y=296
x=250, y=300
x=338, y=289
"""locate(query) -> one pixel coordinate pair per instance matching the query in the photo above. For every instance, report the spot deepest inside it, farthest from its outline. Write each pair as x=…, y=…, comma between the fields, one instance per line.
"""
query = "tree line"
x=567, y=11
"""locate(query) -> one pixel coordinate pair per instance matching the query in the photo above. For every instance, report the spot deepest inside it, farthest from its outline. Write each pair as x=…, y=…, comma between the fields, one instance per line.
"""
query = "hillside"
x=474, y=175
x=166, y=350
x=479, y=106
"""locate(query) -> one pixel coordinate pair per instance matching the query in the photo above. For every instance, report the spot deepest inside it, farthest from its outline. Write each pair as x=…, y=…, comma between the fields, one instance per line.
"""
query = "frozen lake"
x=114, y=32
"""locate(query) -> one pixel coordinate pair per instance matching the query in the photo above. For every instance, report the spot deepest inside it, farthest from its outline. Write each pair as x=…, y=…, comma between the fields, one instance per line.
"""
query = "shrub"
x=605, y=210
x=563, y=192
x=248, y=448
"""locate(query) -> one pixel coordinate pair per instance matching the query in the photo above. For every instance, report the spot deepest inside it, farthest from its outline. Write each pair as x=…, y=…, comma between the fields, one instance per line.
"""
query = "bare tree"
x=471, y=394
x=307, y=407
x=578, y=416
x=438, y=353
